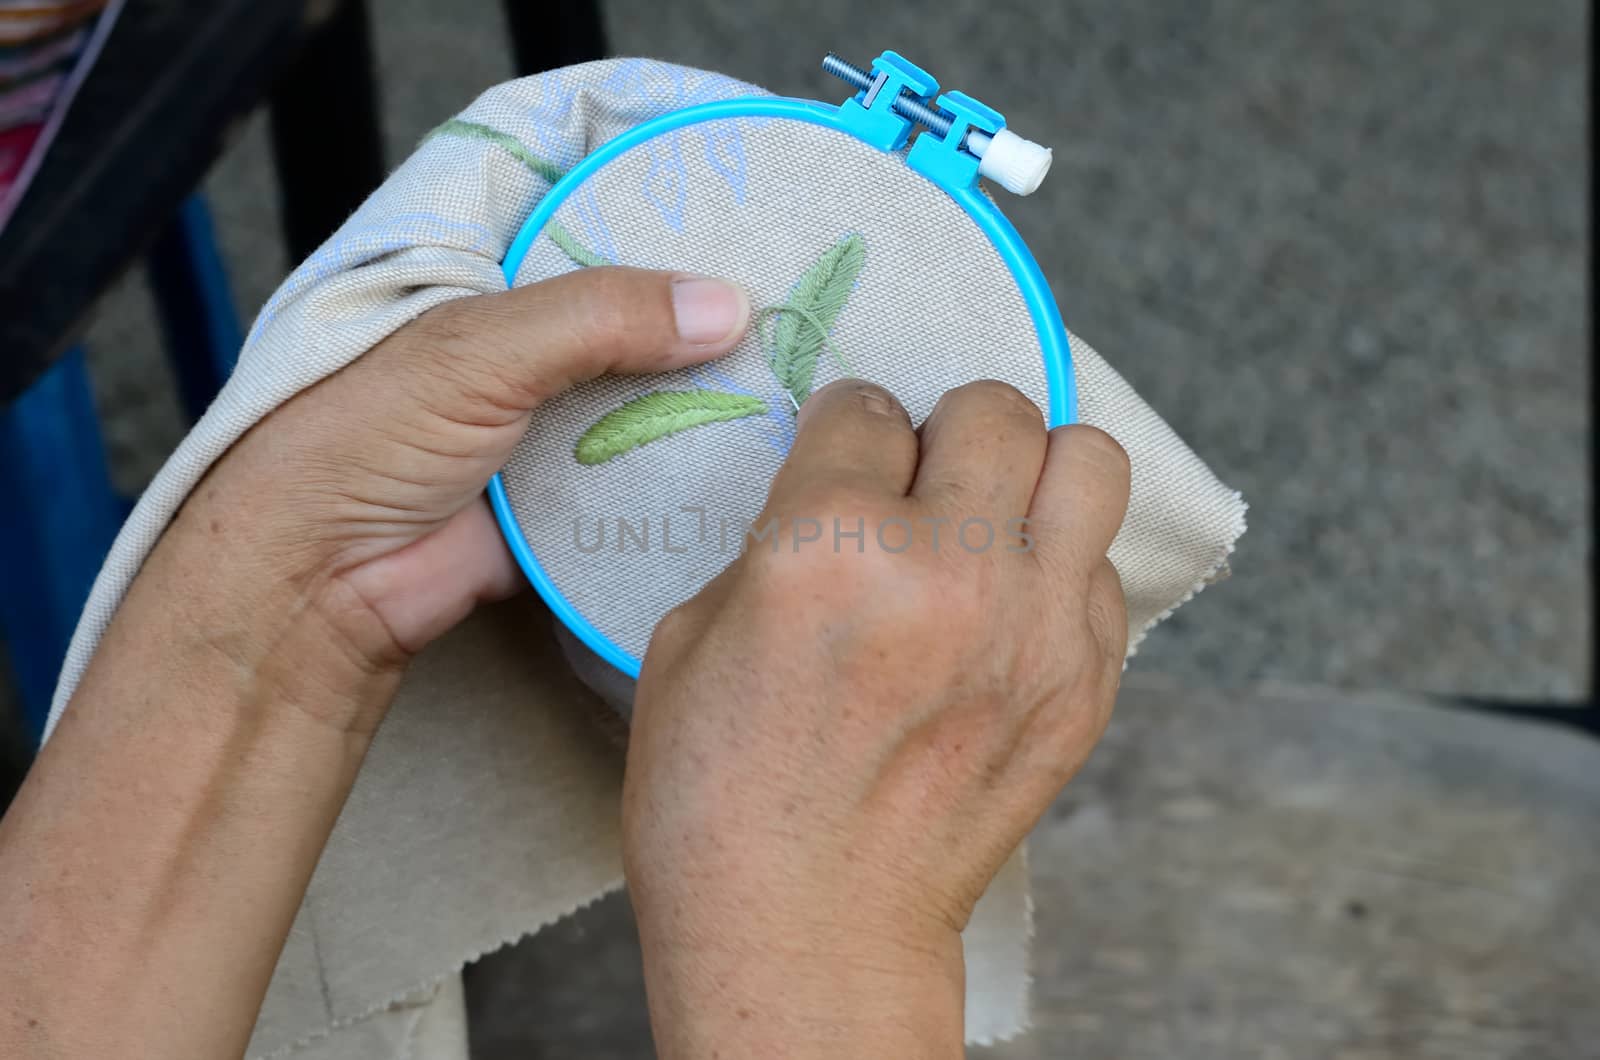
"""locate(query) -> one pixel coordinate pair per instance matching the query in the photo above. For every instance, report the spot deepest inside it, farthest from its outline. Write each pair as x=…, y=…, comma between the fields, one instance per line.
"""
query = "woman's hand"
x=153, y=861
x=366, y=491
x=833, y=752
x=837, y=744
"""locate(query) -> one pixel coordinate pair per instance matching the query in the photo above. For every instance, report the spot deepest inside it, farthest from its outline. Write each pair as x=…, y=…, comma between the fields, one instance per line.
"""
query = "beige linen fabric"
x=488, y=805
x=933, y=307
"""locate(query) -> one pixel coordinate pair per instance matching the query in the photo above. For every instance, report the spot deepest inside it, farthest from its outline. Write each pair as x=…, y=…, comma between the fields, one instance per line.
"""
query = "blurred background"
x=1342, y=246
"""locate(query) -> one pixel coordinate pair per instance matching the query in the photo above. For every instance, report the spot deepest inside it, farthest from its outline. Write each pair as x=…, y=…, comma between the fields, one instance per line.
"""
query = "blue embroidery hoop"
x=870, y=115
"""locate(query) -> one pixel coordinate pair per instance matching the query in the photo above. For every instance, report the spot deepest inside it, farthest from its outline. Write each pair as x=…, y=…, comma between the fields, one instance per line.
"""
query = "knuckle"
x=1097, y=447
x=1108, y=612
x=606, y=313
x=839, y=499
x=997, y=398
x=618, y=296
x=864, y=398
x=594, y=313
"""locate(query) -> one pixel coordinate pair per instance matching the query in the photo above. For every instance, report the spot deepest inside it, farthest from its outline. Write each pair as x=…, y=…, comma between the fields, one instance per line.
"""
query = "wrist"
x=166, y=835
x=754, y=983
x=282, y=635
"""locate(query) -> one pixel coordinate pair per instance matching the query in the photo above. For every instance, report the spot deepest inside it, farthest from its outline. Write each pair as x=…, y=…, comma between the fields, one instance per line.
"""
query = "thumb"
x=509, y=351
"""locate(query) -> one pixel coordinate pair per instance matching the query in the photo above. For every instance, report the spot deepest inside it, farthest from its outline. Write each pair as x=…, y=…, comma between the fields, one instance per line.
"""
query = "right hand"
x=835, y=750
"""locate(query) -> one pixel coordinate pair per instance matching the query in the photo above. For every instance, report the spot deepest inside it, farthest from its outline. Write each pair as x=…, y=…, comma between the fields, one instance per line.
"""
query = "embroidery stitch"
x=817, y=300
x=798, y=338
x=551, y=172
x=776, y=427
x=807, y=317
x=570, y=246
x=505, y=141
x=657, y=415
x=805, y=320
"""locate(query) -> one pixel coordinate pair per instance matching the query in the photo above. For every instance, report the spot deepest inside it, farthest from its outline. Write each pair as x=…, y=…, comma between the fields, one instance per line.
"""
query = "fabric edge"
x=1024, y=1022
x=432, y=982
x=1237, y=528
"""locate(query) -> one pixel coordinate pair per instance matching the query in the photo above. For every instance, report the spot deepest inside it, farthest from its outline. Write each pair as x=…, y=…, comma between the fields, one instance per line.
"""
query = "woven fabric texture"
x=487, y=806
x=932, y=307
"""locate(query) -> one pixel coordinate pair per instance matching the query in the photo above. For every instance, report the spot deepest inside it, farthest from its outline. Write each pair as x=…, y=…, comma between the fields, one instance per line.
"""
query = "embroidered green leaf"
x=805, y=320
x=656, y=415
x=571, y=247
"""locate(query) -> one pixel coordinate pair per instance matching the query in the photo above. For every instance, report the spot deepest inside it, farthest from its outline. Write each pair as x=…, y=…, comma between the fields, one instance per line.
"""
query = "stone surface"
x=1261, y=873
x=1339, y=245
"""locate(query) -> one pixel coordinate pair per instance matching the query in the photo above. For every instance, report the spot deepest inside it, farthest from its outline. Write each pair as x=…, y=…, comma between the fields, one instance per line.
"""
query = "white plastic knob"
x=1015, y=164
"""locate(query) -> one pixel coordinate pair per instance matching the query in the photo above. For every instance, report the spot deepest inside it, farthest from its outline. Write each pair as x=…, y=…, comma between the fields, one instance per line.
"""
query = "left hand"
x=151, y=865
x=365, y=492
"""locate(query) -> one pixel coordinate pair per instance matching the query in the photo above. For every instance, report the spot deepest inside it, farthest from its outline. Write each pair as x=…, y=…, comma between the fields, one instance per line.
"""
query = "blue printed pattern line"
x=666, y=185
x=666, y=182
x=655, y=87
x=556, y=124
x=585, y=206
x=550, y=120
x=364, y=244
x=599, y=248
x=778, y=424
x=725, y=155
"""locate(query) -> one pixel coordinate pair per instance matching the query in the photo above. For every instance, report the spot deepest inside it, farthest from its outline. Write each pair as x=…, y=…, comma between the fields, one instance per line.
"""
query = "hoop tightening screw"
x=908, y=107
x=1015, y=164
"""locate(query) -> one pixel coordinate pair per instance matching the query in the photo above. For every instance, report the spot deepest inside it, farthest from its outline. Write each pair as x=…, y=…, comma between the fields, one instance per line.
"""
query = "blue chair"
x=128, y=158
x=62, y=512
x=117, y=188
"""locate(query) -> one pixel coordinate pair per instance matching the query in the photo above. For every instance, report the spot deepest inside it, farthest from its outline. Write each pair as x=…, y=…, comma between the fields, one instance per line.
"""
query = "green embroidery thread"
x=805, y=320
x=471, y=130
x=810, y=318
x=798, y=338
x=570, y=246
x=557, y=232
x=658, y=414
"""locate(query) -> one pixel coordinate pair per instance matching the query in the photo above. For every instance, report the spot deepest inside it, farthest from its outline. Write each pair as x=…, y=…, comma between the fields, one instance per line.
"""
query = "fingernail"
x=708, y=311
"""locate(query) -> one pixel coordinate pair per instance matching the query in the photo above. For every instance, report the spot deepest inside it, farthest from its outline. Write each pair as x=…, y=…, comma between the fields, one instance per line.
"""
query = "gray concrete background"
x=1339, y=245
x=1276, y=875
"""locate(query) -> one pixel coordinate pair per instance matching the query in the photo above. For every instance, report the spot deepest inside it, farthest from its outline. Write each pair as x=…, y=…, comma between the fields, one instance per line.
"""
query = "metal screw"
x=907, y=106
x=1015, y=164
